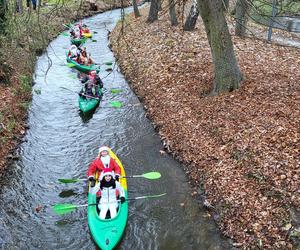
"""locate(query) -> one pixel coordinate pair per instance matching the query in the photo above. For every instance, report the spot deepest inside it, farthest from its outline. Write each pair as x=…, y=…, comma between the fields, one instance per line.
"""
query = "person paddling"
x=92, y=84
x=102, y=162
x=108, y=190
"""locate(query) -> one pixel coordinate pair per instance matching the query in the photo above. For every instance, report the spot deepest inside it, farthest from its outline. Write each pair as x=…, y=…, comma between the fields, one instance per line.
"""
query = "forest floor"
x=34, y=31
x=243, y=147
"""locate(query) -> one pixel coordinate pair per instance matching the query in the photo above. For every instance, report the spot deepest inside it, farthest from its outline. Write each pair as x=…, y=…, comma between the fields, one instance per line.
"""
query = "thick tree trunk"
x=135, y=9
x=153, y=12
x=191, y=19
x=242, y=7
x=226, y=70
x=172, y=13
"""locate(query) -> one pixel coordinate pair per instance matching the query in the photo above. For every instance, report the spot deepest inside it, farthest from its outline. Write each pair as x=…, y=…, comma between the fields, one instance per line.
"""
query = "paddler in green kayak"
x=102, y=162
x=91, y=84
x=108, y=190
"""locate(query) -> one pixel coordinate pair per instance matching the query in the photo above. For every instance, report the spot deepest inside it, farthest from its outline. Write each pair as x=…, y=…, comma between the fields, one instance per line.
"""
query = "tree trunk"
x=159, y=5
x=2, y=15
x=135, y=9
x=242, y=7
x=225, y=4
x=172, y=13
x=191, y=19
x=19, y=6
x=153, y=12
x=227, y=75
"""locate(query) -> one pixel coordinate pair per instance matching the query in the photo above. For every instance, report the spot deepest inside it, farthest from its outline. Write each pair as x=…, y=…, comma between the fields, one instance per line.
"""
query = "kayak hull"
x=87, y=35
x=83, y=68
x=78, y=41
x=88, y=104
x=108, y=233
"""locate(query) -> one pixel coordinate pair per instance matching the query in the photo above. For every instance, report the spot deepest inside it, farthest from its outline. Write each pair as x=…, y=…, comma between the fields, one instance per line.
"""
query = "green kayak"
x=88, y=103
x=83, y=68
x=78, y=41
x=107, y=233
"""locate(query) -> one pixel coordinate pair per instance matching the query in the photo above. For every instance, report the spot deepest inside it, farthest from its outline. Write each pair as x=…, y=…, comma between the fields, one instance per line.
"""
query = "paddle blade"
x=148, y=196
x=115, y=91
x=152, y=175
x=63, y=208
x=70, y=65
x=115, y=104
x=68, y=180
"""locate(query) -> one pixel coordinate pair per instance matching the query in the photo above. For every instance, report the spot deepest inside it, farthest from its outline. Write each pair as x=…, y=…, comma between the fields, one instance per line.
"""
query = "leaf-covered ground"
x=244, y=147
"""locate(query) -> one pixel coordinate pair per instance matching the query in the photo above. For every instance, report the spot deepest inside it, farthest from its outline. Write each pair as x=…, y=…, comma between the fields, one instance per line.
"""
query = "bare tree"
x=241, y=9
x=135, y=9
x=153, y=12
x=159, y=5
x=191, y=19
x=2, y=14
x=172, y=12
x=226, y=70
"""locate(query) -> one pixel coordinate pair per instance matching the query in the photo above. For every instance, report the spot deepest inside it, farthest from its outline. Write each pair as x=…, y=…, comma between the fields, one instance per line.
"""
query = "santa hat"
x=105, y=172
x=103, y=148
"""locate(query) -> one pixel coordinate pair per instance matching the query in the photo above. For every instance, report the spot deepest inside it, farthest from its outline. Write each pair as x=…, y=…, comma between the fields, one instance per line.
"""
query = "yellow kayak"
x=87, y=35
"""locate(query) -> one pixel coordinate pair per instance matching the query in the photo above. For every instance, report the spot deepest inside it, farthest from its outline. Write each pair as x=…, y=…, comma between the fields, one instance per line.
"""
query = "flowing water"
x=61, y=142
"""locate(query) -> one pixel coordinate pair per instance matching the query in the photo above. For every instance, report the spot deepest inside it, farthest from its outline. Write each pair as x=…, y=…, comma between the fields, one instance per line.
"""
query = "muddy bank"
x=242, y=147
x=18, y=63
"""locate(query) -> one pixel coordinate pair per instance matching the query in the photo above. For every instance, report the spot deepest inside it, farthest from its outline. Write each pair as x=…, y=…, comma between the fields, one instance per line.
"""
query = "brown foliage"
x=245, y=145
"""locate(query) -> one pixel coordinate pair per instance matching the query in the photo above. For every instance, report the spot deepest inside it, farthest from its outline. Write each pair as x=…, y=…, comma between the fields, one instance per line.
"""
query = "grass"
x=264, y=8
x=26, y=85
x=11, y=124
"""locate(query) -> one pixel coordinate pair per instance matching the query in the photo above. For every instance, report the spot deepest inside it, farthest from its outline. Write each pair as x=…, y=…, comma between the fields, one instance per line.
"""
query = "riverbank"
x=242, y=147
x=35, y=30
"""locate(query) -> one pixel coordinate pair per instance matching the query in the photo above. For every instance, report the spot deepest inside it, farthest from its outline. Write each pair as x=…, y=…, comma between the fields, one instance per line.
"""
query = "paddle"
x=70, y=65
x=149, y=176
x=82, y=94
x=61, y=209
x=106, y=63
x=116, y=104
x=116, y=91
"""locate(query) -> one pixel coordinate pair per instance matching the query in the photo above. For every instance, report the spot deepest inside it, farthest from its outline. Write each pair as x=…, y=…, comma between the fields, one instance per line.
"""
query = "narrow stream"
x=61, y=143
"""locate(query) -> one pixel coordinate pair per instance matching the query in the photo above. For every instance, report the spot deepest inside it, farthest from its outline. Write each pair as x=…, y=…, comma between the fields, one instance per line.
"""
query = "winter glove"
x=122, y=200
x=91, y=178
x=93, y=183
x=117, y=177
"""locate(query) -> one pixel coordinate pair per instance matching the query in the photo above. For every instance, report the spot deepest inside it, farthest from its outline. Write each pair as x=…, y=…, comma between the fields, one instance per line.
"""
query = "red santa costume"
x=103, y=162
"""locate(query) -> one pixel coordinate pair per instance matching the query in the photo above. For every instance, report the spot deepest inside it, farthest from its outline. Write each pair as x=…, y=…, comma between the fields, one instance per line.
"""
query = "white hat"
x=103, y=148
